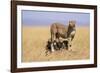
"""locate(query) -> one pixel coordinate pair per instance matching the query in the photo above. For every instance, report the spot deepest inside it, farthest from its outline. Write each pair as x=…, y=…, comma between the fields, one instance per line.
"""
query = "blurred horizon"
x=46, y=18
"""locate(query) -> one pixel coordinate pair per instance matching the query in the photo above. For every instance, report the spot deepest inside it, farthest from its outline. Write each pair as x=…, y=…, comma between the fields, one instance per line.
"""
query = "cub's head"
x=72, y=24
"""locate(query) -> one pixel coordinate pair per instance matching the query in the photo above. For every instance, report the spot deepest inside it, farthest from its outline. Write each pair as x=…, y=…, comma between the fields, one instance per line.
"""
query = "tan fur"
x=59, y=30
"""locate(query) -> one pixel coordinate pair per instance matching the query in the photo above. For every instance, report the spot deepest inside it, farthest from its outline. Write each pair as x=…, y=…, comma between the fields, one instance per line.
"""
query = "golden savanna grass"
x=34, y=40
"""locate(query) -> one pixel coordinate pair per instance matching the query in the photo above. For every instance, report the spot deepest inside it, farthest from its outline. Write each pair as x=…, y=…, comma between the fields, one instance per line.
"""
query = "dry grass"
x=34, y=42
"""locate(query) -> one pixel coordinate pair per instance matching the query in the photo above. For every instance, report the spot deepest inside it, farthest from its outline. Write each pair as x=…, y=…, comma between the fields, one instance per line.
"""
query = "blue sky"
x=46, y=18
